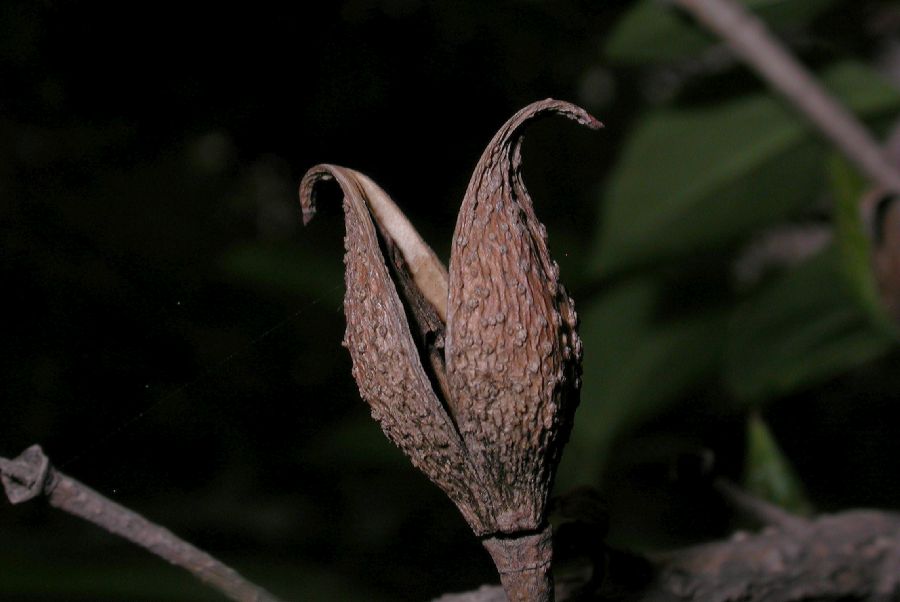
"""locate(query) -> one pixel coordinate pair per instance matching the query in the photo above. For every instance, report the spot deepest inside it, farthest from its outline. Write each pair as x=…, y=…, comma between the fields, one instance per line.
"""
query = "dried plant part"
x=31, y=475
x=386, y=363
x=482, y=400
x=428, y=272
x=513, y=356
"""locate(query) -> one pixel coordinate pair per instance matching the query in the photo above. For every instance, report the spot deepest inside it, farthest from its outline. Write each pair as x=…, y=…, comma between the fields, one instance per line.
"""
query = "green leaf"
x=697, y=178
x=654, y=31
x=855, y=247
x=803, y=328
x=768, y=473
x=635, y=366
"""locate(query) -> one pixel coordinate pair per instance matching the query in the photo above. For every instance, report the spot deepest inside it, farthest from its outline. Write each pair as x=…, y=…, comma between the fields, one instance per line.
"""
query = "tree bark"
x=854, y=555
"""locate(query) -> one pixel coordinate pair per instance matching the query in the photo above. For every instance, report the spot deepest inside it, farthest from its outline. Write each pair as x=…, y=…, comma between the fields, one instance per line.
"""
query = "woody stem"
x=31, y=475
x=523, y=561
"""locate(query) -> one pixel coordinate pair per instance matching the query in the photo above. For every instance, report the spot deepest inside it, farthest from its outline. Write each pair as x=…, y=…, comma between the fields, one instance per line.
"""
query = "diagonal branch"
x=749, y=38
x=31, y=475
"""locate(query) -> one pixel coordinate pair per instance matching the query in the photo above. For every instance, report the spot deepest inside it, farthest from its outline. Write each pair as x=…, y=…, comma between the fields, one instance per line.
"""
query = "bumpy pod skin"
x=512, y=353
x=386, y=363
x=487, y=414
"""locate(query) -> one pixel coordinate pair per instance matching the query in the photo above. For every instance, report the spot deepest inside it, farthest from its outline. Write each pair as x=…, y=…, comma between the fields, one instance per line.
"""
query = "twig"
x=749, y=38
x=758, y=509
x=31, y=475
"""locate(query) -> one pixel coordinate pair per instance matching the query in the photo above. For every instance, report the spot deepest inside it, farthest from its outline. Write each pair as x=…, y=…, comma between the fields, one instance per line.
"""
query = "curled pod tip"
x=512, y=352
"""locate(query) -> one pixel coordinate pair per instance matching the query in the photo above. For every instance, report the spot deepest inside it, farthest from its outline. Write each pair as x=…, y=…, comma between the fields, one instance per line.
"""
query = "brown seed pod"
x=487, y=424
x=386, y=364
x=513, y=356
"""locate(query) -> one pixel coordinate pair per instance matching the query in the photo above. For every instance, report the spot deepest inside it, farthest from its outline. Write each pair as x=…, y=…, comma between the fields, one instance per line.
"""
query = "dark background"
x=171, y=335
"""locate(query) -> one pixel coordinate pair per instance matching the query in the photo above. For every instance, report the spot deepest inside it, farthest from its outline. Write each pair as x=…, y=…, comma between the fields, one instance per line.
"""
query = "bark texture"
x=854, y=555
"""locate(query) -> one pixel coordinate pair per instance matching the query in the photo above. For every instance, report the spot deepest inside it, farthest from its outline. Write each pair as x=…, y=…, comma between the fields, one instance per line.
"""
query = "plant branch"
x=31, y=475
x=853, y=555
x=757, y=509
x=749, y=38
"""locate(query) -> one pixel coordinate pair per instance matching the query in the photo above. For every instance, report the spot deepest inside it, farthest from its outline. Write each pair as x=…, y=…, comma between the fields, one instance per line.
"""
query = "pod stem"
x=523, y=561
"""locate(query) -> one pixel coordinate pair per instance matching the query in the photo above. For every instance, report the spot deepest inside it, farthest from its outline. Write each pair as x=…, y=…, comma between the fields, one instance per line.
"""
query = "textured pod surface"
x=512, y=353
x=386, y=363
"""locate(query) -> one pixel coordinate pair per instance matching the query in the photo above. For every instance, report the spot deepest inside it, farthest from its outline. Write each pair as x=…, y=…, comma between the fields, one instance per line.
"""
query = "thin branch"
x=31, y=475
x=758, y=509
x=749, y=38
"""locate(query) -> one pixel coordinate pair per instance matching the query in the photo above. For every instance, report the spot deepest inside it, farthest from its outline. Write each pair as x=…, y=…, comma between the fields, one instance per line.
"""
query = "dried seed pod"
x=513, y=356
x=488, y=425
x=386, y=364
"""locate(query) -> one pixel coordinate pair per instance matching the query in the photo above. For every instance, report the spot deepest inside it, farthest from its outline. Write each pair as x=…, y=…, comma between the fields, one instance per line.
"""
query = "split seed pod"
x=482, y=397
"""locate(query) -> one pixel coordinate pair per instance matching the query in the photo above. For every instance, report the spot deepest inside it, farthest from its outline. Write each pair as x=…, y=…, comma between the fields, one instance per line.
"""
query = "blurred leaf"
x=767, y=472
x=286, y=269
x=635, y=367
x=800, y=329
x=853, y=243
x=655, y=31
x=700, y=177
